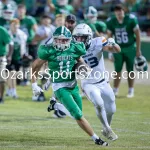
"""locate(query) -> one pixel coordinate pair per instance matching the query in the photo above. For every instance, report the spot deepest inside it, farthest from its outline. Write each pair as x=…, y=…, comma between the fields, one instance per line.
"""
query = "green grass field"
x=26, y=125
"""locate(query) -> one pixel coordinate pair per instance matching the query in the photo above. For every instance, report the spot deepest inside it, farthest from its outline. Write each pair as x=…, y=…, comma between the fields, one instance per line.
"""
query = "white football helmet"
x=62, y=2
x=8, y=12
x=83, y=30
x=91, y=14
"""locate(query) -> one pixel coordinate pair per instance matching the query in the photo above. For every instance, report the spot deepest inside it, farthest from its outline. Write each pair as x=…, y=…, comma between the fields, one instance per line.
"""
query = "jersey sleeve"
x=80, y=49
x=32, y=21
x=93, y=27
x=104, y=41
x=43, y=52
x=101, y=27
x=6, y=36
x=134, y=22
x=109, y=24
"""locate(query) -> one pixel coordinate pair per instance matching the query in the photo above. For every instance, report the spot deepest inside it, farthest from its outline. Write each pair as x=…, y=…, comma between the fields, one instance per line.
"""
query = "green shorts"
x=126, y=55
x=71, y=99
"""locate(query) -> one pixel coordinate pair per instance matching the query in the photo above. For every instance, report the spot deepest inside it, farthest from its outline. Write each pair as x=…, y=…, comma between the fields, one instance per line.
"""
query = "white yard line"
x=80, y=147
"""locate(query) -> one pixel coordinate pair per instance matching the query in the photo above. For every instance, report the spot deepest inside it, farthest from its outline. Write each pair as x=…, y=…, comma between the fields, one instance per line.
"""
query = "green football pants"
x=126, y=55
x=71, y=99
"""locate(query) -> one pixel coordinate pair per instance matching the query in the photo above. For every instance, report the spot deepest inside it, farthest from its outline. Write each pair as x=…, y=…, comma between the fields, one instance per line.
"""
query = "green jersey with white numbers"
x=26, y=25
x=61, y=62
x=123, y=32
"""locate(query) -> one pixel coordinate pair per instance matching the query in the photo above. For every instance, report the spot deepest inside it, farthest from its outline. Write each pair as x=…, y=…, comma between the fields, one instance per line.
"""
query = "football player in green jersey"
x=62, y=55
x=61, y=7
x=125, y=29
x=90, y=16
x=5, y=39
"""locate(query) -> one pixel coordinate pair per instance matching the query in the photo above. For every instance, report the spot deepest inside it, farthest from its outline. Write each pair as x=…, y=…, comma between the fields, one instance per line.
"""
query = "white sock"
x=8, y=91
x=115, y=90
x=94, y=137
x=131, y=90
x=101, y=114
x=13, y=91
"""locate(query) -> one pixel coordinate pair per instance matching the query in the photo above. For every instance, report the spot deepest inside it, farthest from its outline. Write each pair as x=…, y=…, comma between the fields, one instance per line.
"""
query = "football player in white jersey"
x=96, y=87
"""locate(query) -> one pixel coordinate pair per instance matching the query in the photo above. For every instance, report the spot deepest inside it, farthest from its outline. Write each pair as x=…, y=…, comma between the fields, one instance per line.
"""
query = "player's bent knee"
x=77, y=114
x=111, y=109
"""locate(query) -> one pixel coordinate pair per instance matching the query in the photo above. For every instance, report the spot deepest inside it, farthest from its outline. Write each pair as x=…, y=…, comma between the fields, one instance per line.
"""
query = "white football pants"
x=103, y=98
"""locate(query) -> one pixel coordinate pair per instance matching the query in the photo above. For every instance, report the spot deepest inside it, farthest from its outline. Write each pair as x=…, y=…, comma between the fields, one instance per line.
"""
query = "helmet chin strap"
x=87, y=46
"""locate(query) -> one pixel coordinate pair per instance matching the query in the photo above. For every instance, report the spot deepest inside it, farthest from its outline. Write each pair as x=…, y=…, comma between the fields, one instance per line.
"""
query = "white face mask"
x=61, y=46
x=7, y=15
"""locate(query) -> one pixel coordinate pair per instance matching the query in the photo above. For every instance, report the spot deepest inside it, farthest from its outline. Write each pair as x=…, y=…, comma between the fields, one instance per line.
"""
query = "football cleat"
x=109, y=135
x=52, y=103
x=101, y=142
x=130, y=95
x=59, y=114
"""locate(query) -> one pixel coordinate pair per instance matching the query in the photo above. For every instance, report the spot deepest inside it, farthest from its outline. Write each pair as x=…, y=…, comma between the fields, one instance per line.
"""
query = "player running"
x=62, y=55
x=96, y=88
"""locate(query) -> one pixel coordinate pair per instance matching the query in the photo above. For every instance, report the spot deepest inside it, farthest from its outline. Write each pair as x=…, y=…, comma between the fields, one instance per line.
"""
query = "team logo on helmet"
x=62, y=38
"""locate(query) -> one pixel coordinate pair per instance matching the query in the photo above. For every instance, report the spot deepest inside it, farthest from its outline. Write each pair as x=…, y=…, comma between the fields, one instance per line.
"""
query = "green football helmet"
x=91, y=14
x=141, y=63
x=62, y=38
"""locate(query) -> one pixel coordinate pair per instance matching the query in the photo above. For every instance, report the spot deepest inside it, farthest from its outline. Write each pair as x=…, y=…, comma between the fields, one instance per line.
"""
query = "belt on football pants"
x=100, y=81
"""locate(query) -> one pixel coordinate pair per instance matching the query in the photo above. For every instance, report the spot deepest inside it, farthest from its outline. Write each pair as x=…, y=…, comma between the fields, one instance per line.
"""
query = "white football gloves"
x=111, y=41
x=47, y=85
x=36, y=89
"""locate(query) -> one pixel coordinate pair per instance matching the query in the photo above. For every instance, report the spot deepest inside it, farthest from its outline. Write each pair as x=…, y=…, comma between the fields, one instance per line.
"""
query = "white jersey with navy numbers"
x=94, y=59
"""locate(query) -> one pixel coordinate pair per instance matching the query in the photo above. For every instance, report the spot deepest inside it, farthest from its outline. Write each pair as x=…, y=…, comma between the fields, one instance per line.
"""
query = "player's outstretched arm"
x=112, y=46
x=36, y=66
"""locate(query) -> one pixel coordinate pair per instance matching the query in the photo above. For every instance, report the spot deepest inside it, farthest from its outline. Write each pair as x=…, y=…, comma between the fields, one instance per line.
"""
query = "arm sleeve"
x=43, y=52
